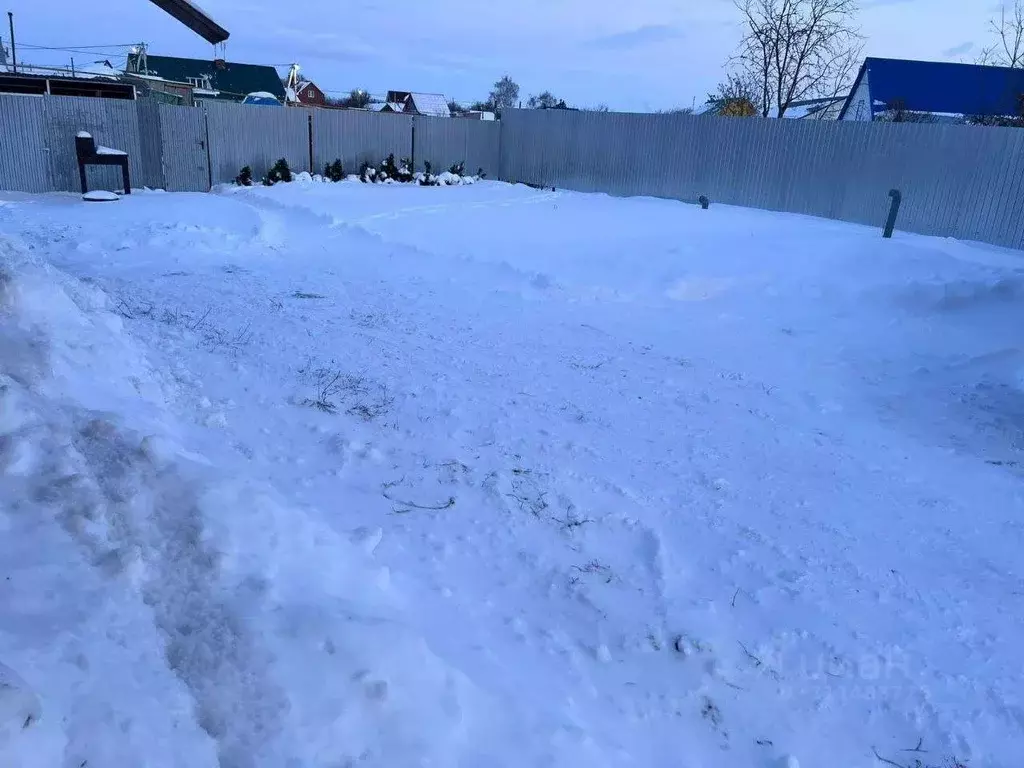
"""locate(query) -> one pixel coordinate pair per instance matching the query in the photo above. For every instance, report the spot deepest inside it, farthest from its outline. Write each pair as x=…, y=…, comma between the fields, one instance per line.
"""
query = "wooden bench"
x=90, y=154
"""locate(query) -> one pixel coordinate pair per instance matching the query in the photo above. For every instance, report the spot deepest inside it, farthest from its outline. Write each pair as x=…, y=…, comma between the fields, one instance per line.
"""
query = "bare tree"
x=546, y=100
x=1008, y=50
x=356, y=99
x=797, y=49
x=505, y=94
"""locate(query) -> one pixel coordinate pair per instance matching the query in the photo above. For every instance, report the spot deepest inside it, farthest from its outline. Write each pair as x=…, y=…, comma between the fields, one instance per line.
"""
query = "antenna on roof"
x=291, y=87
x=138, y=63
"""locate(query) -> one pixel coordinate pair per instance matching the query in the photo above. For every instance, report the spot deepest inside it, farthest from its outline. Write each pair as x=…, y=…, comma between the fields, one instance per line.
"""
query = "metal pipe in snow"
x=894, y=208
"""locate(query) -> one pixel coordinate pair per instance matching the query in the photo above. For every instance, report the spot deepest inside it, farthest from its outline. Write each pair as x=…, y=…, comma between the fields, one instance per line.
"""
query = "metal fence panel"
x=256, y=136
x=355, y=137
x=439, y=141
x=446, y=142
x=24, y=165
x=112, y=123
x=483, y=147
x=185, y=159
x=958, y=181
x=148, y=171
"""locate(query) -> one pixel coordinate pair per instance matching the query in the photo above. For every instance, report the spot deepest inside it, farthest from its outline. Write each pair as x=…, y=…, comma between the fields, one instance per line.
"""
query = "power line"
x=106, y=52
x=75, y=47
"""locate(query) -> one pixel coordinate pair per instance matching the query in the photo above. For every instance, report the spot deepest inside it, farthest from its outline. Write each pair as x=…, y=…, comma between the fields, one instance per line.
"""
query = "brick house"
x=307, y=93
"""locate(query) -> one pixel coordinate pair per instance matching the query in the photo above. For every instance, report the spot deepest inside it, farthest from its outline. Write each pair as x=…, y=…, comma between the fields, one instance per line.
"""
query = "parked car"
x=262, y=99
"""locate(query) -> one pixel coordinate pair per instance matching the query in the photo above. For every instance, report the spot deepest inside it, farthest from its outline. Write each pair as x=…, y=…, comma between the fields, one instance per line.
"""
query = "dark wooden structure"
x=89, y=154
x=195, y=19
x=56, y=85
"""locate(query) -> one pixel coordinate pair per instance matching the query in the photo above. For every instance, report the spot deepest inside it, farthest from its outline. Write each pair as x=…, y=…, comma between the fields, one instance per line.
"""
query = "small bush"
x=388, y=169
x=334, y=171
x=244, y=177
x=427, y=179
x=367, y=172
x=480, y=173
x=405, y=174
x=278, y=173
x=458, y=169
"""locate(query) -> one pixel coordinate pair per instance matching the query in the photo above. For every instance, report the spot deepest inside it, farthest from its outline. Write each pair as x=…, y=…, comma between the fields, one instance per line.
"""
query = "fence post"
x=310, y=123
x=894, y=208
x=412, y=122
x=209, y=154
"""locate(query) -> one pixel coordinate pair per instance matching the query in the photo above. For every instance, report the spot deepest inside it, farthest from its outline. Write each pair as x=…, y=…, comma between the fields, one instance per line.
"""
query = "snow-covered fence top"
x=956, y=181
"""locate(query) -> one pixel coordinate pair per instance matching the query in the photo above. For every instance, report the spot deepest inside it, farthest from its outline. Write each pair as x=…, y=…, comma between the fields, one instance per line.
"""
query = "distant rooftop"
x=941, y=87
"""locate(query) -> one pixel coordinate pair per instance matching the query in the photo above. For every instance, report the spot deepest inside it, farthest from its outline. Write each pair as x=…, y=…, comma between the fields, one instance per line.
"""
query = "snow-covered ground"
x=342, y=475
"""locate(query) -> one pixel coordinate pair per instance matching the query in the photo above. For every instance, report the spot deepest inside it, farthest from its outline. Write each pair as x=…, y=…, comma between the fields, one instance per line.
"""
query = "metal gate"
x=186, y=160
x=111, y=122
x=24, y=162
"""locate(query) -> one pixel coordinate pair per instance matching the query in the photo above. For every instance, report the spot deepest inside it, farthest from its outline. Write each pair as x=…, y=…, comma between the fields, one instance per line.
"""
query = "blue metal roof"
x=934, y=86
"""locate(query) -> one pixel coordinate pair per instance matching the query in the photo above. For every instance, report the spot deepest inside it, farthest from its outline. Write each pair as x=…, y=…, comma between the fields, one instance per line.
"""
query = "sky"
x=638, y=55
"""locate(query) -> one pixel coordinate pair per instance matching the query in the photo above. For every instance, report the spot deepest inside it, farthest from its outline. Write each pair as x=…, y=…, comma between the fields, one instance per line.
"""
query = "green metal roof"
x=233, y=81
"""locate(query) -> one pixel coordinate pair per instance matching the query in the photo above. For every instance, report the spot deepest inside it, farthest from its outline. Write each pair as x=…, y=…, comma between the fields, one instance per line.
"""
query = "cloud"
x=958, y=50
x=636, y=38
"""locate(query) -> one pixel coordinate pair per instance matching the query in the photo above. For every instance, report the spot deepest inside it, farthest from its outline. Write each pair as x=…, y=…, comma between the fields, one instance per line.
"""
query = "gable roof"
x=233, y=81
x=305, y=84
x=433, y=104
x=938, y=86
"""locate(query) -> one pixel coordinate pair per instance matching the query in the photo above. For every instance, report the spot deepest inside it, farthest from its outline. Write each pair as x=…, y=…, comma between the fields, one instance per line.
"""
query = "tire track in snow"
x=142, y=522
x=154, y=519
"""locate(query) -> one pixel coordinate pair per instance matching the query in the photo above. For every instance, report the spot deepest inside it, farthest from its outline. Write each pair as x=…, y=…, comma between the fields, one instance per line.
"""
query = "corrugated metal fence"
x=257, y=137
x=192, y=148
x=444, y=143
x=24, y=163
x=354, y=137
x=957, y=181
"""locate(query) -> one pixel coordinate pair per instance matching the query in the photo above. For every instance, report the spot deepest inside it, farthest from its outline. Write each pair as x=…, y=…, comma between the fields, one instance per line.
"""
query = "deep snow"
x=340, y=474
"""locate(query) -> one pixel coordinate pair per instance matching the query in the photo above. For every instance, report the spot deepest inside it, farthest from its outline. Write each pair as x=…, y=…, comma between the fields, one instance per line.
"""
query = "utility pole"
x=14, y=54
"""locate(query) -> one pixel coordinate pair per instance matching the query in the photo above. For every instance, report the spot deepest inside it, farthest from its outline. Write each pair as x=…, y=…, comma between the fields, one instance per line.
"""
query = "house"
x=477, y=114
x=164, y=91
x=826, y=108
x=427, y=104
x=934, y=87
x=387, y=107
x=214, y=80
x=308, y=94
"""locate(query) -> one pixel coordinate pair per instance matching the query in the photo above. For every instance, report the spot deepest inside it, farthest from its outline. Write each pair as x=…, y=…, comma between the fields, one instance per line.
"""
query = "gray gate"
x=24, y=164
x=185, y=159
x=113, y=123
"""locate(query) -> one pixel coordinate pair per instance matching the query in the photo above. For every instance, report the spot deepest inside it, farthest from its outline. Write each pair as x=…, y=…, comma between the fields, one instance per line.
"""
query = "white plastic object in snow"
x=100, y=196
